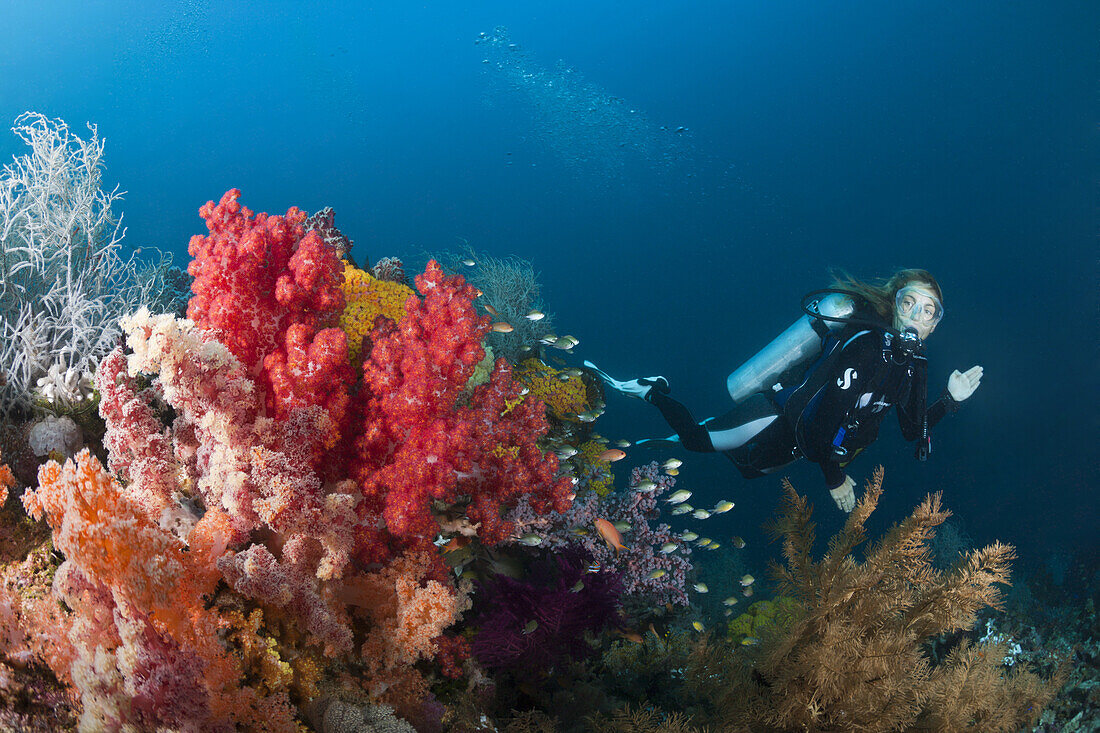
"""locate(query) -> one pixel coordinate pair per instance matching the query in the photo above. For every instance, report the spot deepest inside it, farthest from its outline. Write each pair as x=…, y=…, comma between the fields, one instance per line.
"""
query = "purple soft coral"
x=528, y=625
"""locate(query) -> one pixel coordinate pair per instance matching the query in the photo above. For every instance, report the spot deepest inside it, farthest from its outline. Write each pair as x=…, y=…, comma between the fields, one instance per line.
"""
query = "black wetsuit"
x=829, y=414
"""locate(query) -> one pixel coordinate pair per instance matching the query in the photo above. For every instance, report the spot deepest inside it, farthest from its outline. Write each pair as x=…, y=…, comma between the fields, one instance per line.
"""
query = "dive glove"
x=962, y=384
x=845, y=495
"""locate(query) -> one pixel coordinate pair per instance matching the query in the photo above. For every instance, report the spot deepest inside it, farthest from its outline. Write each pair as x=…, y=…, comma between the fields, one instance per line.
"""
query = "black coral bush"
x=853, y=659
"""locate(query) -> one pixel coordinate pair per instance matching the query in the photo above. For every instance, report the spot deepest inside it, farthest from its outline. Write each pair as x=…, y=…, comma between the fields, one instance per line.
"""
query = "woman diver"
x=821, y=389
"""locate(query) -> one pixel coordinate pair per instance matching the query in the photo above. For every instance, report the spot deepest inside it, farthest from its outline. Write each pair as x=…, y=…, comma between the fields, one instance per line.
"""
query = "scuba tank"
x=800, y=343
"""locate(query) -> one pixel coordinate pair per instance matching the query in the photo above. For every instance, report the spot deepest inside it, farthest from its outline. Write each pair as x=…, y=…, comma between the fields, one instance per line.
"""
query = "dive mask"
x=918, y=306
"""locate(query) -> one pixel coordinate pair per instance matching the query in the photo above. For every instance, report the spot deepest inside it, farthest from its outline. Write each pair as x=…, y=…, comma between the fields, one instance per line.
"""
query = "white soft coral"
x=69, y=388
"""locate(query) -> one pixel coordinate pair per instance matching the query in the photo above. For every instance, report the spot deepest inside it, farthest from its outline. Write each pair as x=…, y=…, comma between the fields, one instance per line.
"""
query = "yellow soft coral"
x=564, y=398
x=368, y=297
x=600, y=479
x=259, y=652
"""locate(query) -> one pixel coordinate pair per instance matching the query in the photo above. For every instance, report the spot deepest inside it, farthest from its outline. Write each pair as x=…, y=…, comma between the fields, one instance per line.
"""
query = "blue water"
x=956, y=137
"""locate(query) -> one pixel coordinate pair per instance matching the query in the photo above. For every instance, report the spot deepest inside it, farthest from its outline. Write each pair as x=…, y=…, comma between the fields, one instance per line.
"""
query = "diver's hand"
x=962, y=384
x=845, y=495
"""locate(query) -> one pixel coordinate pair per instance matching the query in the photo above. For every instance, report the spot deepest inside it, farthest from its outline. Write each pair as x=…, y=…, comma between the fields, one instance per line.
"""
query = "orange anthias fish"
x=610, y=535
x=502, y=327
x=610, y=455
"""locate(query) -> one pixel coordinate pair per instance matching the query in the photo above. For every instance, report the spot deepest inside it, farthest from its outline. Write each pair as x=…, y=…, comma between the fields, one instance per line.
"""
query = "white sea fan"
x=63, y=280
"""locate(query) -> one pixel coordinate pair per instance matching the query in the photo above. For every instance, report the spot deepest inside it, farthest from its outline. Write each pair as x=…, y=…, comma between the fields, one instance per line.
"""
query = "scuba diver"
x=821, y=389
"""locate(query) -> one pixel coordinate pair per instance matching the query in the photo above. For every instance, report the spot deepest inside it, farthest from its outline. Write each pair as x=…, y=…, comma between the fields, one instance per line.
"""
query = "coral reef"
x=325, y=500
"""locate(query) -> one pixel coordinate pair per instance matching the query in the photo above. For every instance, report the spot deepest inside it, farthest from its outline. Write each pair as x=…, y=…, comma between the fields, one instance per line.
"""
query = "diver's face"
x=916, y=303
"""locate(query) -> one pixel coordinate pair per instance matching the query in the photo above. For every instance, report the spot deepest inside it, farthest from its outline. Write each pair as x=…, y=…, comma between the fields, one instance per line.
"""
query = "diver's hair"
x=880, y=293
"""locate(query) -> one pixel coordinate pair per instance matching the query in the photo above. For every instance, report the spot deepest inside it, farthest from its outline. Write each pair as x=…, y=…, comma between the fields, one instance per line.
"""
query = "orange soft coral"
x=564, y=398
x=7, y=481
x=136, y=582
x=406, y=613
x=368, y=297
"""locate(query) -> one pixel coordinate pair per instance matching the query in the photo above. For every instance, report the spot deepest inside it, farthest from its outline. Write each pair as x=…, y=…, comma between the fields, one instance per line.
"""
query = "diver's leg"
x=692, y=434
x=742, y=423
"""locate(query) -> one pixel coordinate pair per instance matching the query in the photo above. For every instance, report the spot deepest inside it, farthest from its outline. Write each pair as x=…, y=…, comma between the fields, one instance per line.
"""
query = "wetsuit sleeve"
x=945, y=405
x=909, y=410
x=828, y=410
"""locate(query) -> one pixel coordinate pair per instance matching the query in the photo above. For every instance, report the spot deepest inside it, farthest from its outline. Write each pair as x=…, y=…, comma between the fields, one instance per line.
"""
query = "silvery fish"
x=682, y=509
x=531, y=539
x=723, y=506
x=679, y=496
x=668, y=547
x=700, y=514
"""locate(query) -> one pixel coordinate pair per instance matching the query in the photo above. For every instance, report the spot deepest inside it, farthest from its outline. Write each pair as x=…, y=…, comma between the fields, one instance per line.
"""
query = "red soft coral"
x=271, y=293
x=418, y=444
